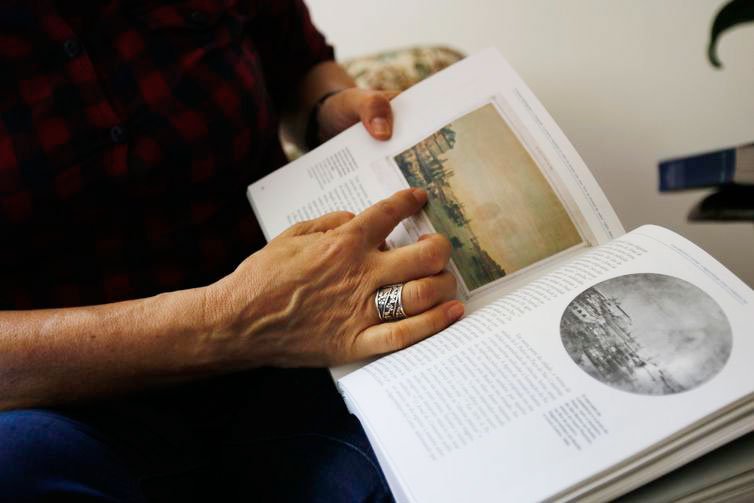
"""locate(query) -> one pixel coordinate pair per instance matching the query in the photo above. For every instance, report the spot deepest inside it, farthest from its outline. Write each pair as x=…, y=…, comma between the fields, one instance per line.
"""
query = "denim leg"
x=317, y=468
x=264, y=435
x=296, y=442
x=46, y=456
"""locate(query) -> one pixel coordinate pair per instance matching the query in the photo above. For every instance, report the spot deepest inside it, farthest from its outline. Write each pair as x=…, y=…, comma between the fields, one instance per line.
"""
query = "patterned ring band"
x=389, y=302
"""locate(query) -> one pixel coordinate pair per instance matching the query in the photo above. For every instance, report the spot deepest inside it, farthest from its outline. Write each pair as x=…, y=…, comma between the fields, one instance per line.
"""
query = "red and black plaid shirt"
x=129, y=131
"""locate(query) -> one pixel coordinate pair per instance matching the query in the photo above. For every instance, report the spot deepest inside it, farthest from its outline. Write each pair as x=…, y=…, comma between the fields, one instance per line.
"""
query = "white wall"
x=627, y=80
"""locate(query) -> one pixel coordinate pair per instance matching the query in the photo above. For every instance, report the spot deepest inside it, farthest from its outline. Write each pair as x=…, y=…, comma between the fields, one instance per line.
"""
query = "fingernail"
x=420, y=195
x=380, y=126
x=455, y=311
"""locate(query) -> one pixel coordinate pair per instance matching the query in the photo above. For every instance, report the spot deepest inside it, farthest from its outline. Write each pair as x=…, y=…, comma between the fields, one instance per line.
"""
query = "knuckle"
x=339, y=218
x=371, y=101
x=397, y=337
x=341, y=215
x=356, y=231
x=378, y=103
x=433, y=256
x=388, y=208
x=299, y=227
x=354, y=241
x=332, y=216
x=421, y=293
x=340, y=246
x=438, y=321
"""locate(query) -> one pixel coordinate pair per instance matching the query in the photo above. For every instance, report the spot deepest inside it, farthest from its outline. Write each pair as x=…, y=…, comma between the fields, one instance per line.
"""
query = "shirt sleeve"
x=289, y=46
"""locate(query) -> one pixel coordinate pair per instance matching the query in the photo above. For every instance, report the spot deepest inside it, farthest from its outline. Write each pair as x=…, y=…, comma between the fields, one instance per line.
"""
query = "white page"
x=660, y=459
x=429, y=409
x=725, y=463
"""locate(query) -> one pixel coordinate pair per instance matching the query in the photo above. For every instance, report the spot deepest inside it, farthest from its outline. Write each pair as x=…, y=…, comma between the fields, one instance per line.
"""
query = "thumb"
x=377, y=115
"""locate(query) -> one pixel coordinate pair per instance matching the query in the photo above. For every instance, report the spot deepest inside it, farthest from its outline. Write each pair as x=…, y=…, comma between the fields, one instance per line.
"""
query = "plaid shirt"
x=129, y=131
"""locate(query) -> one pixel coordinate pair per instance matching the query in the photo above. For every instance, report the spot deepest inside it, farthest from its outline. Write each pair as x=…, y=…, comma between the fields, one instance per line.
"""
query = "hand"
x=352, y=105
x=307, y=298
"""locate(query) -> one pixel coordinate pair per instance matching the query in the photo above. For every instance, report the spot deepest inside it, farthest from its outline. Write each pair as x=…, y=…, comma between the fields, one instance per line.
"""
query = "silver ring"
x=389, y=302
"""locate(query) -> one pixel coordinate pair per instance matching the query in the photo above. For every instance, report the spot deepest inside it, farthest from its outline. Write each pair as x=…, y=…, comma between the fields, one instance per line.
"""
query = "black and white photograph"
x=650, y=334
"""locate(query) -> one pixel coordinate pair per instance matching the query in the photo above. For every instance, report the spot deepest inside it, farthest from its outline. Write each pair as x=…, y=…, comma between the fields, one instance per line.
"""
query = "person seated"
x=152, y=347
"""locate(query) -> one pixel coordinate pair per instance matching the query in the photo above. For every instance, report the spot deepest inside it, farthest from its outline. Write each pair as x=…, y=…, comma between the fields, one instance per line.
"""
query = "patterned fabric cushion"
x=399, y=70
x=392, y=71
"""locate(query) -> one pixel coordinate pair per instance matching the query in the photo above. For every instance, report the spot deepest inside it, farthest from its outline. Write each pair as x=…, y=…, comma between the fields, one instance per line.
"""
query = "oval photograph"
x=650, y=334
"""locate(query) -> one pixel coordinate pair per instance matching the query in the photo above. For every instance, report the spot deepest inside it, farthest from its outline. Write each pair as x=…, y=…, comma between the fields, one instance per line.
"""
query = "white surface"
x=627, y=81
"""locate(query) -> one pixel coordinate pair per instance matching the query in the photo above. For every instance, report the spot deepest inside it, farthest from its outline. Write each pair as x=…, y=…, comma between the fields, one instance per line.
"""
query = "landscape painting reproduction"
x=650, y=334
x=488, y=197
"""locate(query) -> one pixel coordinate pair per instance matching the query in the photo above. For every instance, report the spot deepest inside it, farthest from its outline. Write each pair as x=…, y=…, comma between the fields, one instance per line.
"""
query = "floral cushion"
x=392, y=71
x=399, y=70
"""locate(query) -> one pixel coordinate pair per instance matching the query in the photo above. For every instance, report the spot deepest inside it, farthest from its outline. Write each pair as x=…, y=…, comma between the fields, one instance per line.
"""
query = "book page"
x=591, y=365
x=727, y=463
x=505, y=185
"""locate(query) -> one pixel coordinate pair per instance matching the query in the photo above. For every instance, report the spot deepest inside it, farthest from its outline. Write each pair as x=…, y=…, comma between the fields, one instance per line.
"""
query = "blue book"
x=733, y=165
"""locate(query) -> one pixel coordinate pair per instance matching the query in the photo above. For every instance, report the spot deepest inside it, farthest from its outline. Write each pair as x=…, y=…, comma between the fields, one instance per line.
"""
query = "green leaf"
x=734, y=13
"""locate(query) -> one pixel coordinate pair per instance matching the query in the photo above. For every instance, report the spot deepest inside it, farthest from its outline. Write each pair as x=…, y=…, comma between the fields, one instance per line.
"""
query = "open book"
x=590, y=360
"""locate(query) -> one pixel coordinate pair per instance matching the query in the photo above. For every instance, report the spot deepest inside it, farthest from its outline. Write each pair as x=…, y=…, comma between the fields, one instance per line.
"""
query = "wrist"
x=228, y=322
x=193, y=325
x=312, y=137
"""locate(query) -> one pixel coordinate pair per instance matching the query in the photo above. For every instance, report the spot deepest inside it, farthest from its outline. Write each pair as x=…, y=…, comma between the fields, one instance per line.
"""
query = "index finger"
x=377, y=221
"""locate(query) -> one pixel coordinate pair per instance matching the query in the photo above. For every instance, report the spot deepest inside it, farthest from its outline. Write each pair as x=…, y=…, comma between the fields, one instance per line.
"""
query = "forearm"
x=58, y=355
x=323, y=78
x=305, y=299
x=320, y=80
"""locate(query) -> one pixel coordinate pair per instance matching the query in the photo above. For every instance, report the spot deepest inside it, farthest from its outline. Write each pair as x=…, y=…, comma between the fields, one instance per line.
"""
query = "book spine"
x=733, y=165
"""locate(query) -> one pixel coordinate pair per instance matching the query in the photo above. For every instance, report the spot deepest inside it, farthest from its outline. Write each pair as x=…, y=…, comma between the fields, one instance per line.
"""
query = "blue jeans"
x=264, y=435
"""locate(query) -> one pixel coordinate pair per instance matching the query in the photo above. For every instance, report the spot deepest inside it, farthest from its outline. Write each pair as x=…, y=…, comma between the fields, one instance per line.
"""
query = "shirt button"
x=72, y=48
x=118, y=134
